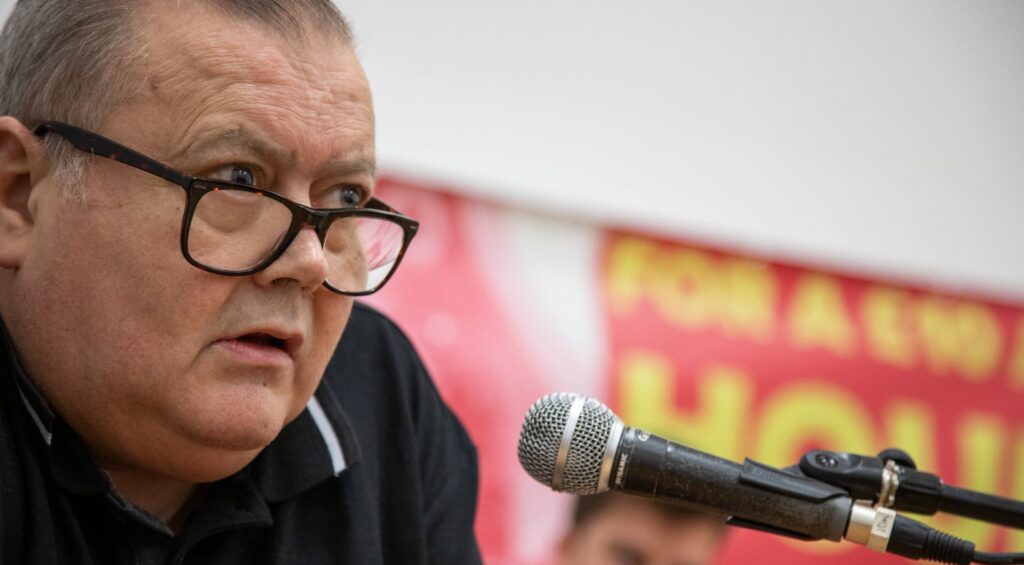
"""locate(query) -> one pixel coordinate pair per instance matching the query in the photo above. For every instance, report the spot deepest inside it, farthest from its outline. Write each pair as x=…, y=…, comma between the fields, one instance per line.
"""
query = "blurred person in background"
x=616, y=529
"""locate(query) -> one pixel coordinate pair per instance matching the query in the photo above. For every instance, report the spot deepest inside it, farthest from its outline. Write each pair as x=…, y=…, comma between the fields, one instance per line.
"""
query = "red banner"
x=728, y=353
x=747, y=358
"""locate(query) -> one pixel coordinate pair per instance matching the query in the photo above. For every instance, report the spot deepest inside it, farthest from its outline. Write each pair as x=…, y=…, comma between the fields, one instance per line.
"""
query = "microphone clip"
x=891, y=480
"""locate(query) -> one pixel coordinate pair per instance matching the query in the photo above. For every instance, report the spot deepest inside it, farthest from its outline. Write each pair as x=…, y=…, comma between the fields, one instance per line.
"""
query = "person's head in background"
x=615, y=529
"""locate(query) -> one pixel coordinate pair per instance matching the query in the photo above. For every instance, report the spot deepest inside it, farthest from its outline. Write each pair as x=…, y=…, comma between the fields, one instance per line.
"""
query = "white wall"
x=883, y=136
x=886, y=136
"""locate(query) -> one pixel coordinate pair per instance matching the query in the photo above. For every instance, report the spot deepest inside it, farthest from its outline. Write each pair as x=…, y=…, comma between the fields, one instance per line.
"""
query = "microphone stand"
x=891, y=481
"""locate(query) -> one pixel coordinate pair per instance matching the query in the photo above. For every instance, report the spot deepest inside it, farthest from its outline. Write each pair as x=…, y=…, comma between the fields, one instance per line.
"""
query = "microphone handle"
x=753, y=495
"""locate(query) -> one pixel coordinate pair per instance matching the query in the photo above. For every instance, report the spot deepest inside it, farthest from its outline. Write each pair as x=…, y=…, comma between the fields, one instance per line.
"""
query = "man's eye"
x=240, y=174
x=344, y=196
x=243, y=175
x=351, y=196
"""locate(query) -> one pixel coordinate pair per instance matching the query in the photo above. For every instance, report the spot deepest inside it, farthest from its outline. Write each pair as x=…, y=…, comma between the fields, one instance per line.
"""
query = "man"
x=615, y=529
x=171, y=390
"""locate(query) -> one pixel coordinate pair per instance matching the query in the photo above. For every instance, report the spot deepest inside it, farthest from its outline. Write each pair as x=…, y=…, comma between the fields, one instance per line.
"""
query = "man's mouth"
x=265, y=340
x=264, y=346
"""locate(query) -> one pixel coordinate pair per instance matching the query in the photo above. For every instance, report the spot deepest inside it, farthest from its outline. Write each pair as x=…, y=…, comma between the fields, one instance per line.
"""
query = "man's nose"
x=303, y=262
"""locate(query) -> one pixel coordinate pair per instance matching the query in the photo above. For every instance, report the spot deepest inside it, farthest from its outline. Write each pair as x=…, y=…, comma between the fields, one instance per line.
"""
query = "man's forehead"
x=180, y=41
x=215, y=42
x=237, y=137
x=205, y=85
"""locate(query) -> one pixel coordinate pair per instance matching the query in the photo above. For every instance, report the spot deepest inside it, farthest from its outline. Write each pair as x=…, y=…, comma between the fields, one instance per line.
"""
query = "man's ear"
x=23, y=162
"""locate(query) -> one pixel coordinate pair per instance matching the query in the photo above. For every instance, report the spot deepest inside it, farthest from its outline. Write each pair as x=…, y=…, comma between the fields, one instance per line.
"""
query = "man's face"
x=161, y=366
x=634, y=532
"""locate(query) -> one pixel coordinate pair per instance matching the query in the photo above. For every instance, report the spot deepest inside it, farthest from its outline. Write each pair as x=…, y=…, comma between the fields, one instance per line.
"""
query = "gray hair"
x=71, y=60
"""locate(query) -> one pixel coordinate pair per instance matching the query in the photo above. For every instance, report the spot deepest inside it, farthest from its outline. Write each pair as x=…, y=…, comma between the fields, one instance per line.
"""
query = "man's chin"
x=215, y=447
x=213, y=457
x=247, y=432
x=233, y=416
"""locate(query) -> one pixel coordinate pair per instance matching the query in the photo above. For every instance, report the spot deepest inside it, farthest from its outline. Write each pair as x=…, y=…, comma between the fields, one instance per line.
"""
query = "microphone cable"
x=986, y=557
x=915, y=540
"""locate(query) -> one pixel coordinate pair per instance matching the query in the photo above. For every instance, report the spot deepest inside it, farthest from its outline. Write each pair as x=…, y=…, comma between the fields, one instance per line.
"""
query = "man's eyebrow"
x=357, y=165
x=243, y=137
x=240, y=137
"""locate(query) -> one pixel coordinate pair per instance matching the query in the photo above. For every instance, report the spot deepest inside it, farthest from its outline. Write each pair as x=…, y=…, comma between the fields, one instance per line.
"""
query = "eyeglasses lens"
x=235, y=230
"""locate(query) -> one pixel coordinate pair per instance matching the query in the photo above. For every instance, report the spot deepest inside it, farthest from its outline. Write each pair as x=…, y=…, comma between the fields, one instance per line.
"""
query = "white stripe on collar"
x=47, y=434
x=327, y=432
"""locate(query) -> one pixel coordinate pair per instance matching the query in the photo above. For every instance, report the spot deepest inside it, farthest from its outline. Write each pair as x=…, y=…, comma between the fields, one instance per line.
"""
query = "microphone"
x=576, y=444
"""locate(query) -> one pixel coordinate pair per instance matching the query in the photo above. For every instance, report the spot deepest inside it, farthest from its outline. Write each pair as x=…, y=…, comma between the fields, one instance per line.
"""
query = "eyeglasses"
x=236, y=229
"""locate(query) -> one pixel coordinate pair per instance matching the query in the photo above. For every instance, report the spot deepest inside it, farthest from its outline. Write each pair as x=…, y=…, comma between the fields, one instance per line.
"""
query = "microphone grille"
x=542, y=438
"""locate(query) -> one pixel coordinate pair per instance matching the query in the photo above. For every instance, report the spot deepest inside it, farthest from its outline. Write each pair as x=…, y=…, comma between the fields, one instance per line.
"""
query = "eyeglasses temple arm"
x=103, y=147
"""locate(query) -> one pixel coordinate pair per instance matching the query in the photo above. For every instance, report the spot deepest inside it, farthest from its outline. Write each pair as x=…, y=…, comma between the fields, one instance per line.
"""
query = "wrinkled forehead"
x=293, y=20
x=197, y=64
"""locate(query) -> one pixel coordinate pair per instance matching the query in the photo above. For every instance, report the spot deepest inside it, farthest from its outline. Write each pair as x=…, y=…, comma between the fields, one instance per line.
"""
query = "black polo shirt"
x=375, y=470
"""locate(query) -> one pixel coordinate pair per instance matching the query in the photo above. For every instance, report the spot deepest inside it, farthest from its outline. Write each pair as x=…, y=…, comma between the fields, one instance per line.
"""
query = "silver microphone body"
x=575, y=444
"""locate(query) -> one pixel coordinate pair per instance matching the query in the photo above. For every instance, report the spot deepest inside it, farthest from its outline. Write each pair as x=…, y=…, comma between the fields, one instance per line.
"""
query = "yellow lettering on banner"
x=981, y=340
x=963, y=337
x=938, y=330
x=687, y=288
x=724, y=397
x=749, y=302
x=810, y=412
x=911, y=427
x=691, y=289
x=979, y=442
x=818, y=316
x=889, y=338
x=628, y=263
x=1016, y=369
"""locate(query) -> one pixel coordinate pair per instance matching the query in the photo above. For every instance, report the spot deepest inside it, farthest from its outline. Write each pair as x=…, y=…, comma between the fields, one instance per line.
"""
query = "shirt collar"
x=318, y=445
x=38, y=410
